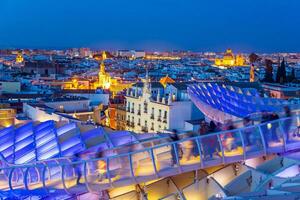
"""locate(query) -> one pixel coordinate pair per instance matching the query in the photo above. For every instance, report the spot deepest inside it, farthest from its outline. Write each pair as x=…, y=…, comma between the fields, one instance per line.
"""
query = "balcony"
x=127, y=123
x=139, y=124
x=144, y=128
x=159, y=118
x=127, y=109
x=145, y=111
x=152, y=129
x=152, y=116
x=139, y=112
x=165, y=120
x=132, y=110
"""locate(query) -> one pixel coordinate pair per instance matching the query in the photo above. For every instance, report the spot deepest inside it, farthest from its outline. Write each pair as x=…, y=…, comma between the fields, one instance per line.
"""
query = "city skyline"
x=148, y=100
x=268, y=26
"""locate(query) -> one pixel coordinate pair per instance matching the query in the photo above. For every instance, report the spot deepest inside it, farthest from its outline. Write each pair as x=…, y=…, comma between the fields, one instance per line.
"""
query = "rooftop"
x=65, y=98
x=152, y=85
x=180, y=86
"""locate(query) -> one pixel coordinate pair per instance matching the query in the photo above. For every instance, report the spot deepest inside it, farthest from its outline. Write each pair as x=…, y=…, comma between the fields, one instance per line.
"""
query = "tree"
x=281, y=72
x=268, y=71
x=253, y=57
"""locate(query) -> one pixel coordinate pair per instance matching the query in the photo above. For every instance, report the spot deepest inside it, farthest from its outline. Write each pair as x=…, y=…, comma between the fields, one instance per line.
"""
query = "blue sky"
x=198, y=25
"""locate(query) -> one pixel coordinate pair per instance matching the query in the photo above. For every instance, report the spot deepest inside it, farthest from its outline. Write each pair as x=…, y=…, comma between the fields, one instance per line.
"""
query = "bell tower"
x=102, y=66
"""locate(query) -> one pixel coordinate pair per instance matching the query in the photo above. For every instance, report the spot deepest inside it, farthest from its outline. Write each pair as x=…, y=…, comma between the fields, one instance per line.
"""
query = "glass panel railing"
x=273, y=136
x=252, y=141
x=232, y=146
x=165, y=158
x=33, y=177
x=16, y=178
x=4, y=173
x=97, y=176
x=189, y=153
x=142, y=165
x=73, y=176
x=291, y=129
x=53, y=176
x=119, y=169
x=128, y=166
x=211, y=150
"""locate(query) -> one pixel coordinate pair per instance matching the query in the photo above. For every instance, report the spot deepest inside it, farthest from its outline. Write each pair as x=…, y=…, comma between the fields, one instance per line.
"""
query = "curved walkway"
x=58, y=176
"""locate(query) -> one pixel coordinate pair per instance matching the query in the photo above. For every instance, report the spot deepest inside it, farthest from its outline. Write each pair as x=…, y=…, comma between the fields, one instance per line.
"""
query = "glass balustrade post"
x=263, y=140
x=63, y=178
x=175, y=149
x=153, y=162
x=222, y=149
x=200, y=152
x=243, y=144
x=38, y=174
x=131, y=168
x=85, y=176
x=25, y=179
x=43, y=178
x=10, y=176
x=284, y=136
x=108, y=172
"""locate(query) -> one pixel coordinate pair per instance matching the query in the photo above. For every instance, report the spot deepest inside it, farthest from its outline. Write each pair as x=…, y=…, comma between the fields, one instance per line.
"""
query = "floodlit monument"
x=230, y=60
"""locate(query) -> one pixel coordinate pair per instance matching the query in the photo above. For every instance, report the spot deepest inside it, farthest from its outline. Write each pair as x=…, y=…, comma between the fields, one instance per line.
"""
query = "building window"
x=145, y=127
x=152, y=126
x=132, y=122
x=128, y=106
x=145, y=107
x=159, y=115
x=132, y=109
x=165, y=117
x=152, y=113
x=139, y=110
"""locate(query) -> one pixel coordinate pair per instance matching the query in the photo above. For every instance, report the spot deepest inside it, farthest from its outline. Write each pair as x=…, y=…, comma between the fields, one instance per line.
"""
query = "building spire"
x=104, y=56
x=102, y=65
x=146, y=89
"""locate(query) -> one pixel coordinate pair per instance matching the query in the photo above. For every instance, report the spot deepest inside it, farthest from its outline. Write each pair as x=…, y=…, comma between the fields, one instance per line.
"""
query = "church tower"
x=19, y=58
x=102, y=66
x=103, y=78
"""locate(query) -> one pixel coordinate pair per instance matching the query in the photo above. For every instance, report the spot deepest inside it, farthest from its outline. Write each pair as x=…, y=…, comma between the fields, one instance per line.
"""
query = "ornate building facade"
x=230, y=60
x=104, y=81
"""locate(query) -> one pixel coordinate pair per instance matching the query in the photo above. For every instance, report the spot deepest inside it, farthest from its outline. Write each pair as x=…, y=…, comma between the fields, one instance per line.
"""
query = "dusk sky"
x=211, y=25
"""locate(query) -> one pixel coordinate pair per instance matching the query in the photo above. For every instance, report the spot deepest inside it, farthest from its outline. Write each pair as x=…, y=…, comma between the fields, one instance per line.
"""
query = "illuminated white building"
x=154, y=108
